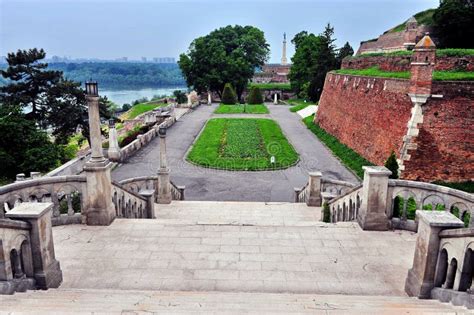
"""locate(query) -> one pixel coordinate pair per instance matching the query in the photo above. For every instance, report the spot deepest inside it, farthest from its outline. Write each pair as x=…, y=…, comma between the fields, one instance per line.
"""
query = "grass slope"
x=437, y=75
x=271, y=86
x=140, y=109
x=349, y=157
x=299, y=104
x=242, y=144
x=241, y=109
x=423, y=17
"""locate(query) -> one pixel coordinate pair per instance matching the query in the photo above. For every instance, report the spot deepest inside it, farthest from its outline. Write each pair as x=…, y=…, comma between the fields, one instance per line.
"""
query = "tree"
x=180, y=96
x=126, y=107
x=453, y=22
x=255, y=96
x=313, y=58
x=49, y=100
x=228, y=95
x=226, y=55
x=392, y=165
x=344, y=52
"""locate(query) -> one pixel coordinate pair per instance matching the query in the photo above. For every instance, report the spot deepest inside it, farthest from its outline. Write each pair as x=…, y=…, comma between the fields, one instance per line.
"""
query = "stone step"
x=239, y=213
x=62, y=301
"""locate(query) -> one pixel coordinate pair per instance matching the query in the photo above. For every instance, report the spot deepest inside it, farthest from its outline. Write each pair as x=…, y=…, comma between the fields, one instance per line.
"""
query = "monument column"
x=284, y=61
x=164, y=185
x=99, y=209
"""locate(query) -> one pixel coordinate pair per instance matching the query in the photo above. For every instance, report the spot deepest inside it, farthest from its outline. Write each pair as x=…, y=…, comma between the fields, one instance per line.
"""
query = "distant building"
x=122, y=59
x=274, y=72
x=164, y=60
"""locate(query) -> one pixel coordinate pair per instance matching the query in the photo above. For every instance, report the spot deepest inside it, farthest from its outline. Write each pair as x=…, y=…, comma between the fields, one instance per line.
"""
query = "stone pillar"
x=275, y=99
x=164, y=185
x=47, y=271
x=149, y=194
x=20, y=177
x=372, y=214
x=99, y=208
x=114, y=149
x=209, y=98
x=420, y=279
x=314, y=185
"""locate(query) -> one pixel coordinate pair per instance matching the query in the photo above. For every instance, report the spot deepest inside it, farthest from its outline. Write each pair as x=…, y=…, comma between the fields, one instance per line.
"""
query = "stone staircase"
x=228, y=257
x=68, y=301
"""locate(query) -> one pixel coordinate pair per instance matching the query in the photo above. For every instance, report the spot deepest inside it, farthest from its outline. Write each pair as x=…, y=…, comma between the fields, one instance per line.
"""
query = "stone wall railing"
x=346, y=207
x=336, y=187
x=137, y=184
x=301, y=194
x=129, y=204
x=65, y=192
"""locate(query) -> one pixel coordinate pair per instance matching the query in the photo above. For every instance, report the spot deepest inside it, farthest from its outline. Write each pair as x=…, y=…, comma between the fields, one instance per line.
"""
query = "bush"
x=228, y=95
x=126, y=107
x=326, y=213
x=392, y=165
x=255, y=96
x=180, y=96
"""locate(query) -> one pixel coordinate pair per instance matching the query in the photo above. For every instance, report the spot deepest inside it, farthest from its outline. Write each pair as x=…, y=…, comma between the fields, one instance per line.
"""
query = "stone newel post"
x=99, y=209
x=314, y=197
x=164, y=189
x=209, y=98
x=46, y=269
x=114, y=149
x=421, y=276
x=372, y=214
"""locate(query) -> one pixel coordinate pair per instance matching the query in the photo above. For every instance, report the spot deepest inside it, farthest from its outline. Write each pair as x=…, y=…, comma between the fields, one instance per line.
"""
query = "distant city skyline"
x=111, y=29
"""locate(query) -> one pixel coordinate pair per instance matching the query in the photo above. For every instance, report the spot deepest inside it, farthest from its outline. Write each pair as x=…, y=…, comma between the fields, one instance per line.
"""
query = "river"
x=121, y=97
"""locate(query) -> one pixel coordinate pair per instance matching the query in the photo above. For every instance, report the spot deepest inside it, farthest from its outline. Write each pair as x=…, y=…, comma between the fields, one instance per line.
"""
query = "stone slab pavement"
x=219, y=185
x=134, y=254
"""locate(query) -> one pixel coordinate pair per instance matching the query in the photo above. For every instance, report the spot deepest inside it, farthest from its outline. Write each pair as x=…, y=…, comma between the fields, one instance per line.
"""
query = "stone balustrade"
x=346, y=207
x=137, y=184
x=129, y=204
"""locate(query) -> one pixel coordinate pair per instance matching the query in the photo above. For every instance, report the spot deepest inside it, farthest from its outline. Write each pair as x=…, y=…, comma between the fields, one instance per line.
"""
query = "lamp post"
x=92, y=97
x=164, y=184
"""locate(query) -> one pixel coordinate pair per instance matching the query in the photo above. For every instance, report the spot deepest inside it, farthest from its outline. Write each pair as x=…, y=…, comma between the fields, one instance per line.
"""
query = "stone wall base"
x=373, y=222
x=17, y=285
x=67, y=219
x=52, y=277
x=407, y=225
x=455, y=297
x=416, y=287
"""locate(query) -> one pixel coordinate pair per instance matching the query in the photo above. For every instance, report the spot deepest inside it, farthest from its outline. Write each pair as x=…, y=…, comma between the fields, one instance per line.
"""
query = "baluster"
x=70, y=210
x=55, y=201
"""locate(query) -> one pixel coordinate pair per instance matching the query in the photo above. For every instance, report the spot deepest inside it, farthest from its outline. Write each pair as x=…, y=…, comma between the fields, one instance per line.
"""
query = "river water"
x=121, y=97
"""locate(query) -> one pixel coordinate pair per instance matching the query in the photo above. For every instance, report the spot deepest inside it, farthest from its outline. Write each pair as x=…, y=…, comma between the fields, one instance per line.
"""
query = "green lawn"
x=437, y=75
x=299, y=104
x=241, y=109
x=271, y=86
x=140, y=109
x=242, y=144
x=349, y=157
x=423, y=17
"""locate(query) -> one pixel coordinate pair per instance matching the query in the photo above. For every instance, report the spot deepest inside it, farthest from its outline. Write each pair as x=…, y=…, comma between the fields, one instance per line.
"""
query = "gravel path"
x=219, y=185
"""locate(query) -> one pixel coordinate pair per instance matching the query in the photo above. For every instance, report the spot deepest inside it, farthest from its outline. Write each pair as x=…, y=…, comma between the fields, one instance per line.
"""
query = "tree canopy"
x=314, y=56
x=453, y=21
x=344, y=52
x=227, y=55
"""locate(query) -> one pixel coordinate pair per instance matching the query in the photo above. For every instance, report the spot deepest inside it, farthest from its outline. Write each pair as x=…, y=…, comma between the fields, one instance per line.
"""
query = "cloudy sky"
x=109, y=29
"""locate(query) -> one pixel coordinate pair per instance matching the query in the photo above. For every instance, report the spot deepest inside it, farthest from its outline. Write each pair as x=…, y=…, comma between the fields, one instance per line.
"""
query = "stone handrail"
x=128, y=204
x=177, y=192
x=301, y=194
x=336, y=187
x=137, y=184
x=346, y=207
x=65, y=192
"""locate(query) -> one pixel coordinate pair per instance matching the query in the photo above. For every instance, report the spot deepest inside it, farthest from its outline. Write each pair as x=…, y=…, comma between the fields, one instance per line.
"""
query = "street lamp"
x=91, y=88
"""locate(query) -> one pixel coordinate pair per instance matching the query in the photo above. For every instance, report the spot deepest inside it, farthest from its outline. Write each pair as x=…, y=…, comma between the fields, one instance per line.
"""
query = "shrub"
x=228, y=95
x=326, y=213
x=180, y=96
x=126, y=107
x=255, y=96
x=392, y=165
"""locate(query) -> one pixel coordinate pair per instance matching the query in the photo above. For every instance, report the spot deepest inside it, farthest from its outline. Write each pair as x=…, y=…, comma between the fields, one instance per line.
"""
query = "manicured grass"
x=241, y=109
x=454, y=52
x=242, y=144
x=299, y=104
x=349, y=157
x=423, y=17
x=375, y=72
x=140, y=109
x=389, y=54
x=453, y=75
x=272, y=86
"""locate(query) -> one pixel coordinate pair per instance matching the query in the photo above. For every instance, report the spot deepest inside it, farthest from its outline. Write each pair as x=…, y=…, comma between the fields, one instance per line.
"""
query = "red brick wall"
x=402, y=63
x=369, y=115
x=446, y=138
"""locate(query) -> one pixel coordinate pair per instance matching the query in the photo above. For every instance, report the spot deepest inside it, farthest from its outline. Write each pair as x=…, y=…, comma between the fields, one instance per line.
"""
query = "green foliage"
x=454, y=24
x=227, y=55
x=228, y=95
x=314, y=57
x=255, y=96
x=467, y=186
x=242, y=144
x=453, y=75
x=375, y=72
x=271, y=86
x=241, y=109
x=180, y=96
x=454, y=52
x=126, y=107
x=131, y=135
x=300, y=106
x=392, y=165
x=423, y=18
x=348, y=157
x=345, y=51
x=438, y=207
x=24, y=148
x=139, y=109
x=399, y=53
x=399, y=204
x=326, y=213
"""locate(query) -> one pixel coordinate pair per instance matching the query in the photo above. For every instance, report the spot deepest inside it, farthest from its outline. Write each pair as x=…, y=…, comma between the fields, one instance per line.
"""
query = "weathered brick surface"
x=370, y=115
x=402, y=63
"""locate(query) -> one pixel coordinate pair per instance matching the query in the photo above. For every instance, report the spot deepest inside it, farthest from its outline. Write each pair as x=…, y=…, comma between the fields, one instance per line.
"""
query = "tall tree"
x=226, y=55
x=344, y=52
x=313, y=58
x=454, y=23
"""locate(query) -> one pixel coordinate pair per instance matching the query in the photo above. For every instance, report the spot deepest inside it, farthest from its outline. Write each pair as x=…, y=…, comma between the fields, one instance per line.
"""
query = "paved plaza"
x=208, y=184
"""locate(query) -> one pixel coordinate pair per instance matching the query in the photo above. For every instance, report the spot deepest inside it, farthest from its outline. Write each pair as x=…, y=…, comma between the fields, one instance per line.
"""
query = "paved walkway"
x=208, y=184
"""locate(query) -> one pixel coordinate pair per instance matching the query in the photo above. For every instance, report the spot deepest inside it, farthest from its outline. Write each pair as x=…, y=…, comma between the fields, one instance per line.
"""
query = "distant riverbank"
x=127, y=96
